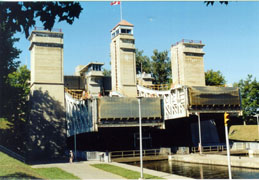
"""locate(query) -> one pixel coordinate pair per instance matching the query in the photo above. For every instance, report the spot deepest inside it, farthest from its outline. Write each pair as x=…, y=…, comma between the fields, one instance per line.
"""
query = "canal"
x=200, y=171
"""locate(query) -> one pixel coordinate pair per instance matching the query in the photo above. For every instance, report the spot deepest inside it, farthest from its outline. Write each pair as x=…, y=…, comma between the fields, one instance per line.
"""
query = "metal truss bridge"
x=87, y=115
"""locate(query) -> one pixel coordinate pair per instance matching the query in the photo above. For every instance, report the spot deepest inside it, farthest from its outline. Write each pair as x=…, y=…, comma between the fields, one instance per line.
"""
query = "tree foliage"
x=18, y=92
x=249, y=90
x=161, y=67
x=8, y=54
x=212, y=2
x=106, y=72
x=21, y=16
x=214, y=78
x=143, y=63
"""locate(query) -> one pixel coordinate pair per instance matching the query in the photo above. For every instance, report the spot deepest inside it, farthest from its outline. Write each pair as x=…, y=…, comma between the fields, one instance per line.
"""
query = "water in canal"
x=200, y=171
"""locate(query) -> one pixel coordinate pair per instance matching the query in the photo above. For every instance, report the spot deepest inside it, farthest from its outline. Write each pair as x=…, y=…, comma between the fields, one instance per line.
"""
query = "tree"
x=249, y=90
x=20, y=16
x=20, y=89
x=214, y=78
x=143, y=63
x=106, y=72
x=8, y=54
x=212, y=2
x=161, y=67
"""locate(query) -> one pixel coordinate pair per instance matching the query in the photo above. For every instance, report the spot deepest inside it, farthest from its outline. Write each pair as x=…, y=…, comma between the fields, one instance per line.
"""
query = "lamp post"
x=226, y=119
x=257, y=115
x=199, y=125
x=74, y=139
x=140, y=139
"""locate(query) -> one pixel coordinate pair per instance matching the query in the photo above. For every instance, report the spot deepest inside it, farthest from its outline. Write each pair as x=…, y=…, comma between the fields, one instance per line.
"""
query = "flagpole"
x=121, y=10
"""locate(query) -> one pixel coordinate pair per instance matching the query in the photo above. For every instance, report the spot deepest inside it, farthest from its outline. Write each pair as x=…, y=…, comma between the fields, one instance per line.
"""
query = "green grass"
x=55, y=173
x=128, y=174
x=4, y=124
x=11, y=168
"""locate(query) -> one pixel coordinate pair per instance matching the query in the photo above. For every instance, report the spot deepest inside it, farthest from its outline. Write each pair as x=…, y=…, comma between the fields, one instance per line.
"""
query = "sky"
x=230, y=33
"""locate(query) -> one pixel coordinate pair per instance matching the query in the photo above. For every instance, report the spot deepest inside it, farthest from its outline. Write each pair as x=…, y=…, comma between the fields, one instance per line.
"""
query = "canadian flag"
x=115, y=2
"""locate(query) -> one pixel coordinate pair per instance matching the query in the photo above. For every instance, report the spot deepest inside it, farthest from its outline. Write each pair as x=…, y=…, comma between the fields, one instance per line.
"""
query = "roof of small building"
x=123, y=23
x=83, y=68
x=244, y=133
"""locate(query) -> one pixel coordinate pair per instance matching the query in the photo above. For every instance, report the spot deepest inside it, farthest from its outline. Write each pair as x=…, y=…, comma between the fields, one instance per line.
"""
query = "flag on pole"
x=115, y=2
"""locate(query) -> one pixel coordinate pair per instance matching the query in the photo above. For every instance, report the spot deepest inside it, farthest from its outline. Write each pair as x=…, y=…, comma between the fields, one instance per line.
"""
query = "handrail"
x=75, y=95
x=158, y=86
x=188, y=41
x=52, y=30
x=209, y=148
x=11, y=153
x=134, y=153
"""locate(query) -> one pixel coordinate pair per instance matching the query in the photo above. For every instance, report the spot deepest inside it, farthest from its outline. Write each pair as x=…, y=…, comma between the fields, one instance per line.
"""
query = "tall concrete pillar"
x=46, y=126
x=123, y=59
x=187, y=63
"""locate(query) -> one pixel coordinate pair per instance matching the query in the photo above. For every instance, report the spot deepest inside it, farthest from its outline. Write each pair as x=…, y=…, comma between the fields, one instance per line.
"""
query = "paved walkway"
x=83, y=170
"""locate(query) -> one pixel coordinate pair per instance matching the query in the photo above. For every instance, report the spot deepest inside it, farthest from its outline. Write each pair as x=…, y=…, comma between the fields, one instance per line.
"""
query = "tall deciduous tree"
x=214, y=78
x=143, y=63
x=161, y=67
x=249, y=90
x=19, y=91
x=212, y=2
x=20, y=17
x=8, y=54
x=106, y=72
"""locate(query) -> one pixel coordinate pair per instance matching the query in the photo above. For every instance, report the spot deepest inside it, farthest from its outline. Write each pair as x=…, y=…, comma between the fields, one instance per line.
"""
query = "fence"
x=209, y=149
x=43, y=29
x=188, y=41
x=158, y=87
x=135, y=153
x=77, y=94
x=12, y=154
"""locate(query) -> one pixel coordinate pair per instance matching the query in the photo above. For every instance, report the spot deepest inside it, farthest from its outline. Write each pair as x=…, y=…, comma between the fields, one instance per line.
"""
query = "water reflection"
x=200, y=171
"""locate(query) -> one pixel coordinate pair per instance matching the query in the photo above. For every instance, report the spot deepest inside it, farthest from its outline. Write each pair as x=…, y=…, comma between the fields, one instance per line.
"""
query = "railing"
x=188, y=41
x=134, y=153
x=159, y=87
x=12, y=154
x=209, y=149
x=77, y=94
x=52, y=30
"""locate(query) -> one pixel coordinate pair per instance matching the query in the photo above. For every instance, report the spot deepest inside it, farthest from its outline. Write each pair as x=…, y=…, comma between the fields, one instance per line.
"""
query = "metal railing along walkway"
x=11, y=153
x=209, y=149
x=134, y=153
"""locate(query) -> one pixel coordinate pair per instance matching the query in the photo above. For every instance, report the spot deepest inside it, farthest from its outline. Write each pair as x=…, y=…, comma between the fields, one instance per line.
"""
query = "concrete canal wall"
x=236, y=161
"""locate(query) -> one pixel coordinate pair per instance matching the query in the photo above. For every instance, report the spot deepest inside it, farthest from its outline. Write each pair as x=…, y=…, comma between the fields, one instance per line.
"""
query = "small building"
x=144, y=79
x=244, y=137
x=93, y=75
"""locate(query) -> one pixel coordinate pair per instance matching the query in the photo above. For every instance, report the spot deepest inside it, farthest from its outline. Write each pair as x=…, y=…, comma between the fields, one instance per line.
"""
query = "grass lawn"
x=128, y=174
x=55, y=173
x=4, y=124
x=11, y=168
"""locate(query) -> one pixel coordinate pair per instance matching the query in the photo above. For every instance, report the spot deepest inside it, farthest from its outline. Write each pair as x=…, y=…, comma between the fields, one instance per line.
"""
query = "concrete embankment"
x=236, y=161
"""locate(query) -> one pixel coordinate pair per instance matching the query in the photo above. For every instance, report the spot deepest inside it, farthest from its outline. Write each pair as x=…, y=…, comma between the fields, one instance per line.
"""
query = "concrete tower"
x=123, y=59
x=46, y=127
x=187, y=63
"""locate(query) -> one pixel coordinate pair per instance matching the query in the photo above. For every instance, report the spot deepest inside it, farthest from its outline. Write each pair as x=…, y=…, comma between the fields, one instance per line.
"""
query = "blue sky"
x=230, y=33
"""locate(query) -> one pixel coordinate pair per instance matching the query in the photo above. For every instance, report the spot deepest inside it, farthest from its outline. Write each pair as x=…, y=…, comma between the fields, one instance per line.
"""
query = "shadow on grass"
x=18, y=176
x=41, y=136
